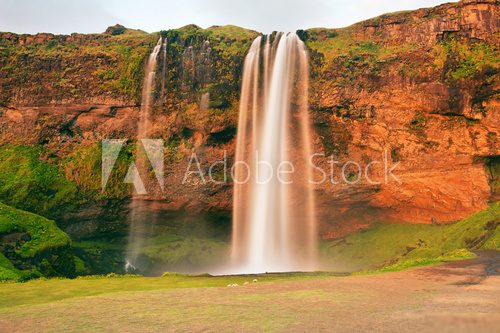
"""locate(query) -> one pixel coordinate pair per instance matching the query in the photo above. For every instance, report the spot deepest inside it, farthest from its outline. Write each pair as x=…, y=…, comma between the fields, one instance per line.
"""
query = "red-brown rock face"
x=414, y=91
x=421, y=87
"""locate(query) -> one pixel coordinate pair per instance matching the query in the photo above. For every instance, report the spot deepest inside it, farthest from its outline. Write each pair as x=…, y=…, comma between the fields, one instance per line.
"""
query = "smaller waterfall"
x=197, y=64
x=164, y=67
x=147, y=92
x=139, y=225
x=204, y=101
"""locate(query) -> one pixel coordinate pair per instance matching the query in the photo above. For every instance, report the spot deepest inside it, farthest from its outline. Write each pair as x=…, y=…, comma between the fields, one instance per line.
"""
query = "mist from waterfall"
x=274, y=226
x=140, y=224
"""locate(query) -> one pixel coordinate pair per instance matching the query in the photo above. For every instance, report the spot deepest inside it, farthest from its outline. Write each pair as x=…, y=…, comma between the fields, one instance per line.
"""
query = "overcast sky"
x=86, y=16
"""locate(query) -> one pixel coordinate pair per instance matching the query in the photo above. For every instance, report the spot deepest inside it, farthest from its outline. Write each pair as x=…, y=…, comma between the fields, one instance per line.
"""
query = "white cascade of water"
x=274, y=225
x=164, y=66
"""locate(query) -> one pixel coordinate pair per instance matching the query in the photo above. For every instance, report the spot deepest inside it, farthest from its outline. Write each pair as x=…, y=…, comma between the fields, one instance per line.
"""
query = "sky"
x=90, y=16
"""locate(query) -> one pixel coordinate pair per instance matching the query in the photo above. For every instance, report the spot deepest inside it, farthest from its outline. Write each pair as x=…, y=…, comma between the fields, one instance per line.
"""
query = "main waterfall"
x=274, y=227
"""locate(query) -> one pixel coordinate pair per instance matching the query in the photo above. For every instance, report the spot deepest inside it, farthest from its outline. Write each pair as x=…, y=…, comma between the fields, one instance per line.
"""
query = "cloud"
x=290, y=15
x=60, y=16
x=56, y=16
x=265, y=15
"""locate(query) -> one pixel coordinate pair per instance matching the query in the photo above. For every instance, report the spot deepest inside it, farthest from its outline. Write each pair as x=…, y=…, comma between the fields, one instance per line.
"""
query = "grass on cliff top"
x=390, y=247
x=229, y=41
x=232, y=31
x=217, y=31
x=333, y=43
x=44, y=235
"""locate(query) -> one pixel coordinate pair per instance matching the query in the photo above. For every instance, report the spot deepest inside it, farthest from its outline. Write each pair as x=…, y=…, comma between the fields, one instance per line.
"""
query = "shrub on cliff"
x=462, y=59
x=303, y=35
x=115, y=30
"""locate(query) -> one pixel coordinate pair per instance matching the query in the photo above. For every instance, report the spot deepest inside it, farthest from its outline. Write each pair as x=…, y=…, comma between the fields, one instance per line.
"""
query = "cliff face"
x=415, y=90
x=63, y=94
x=421, y=87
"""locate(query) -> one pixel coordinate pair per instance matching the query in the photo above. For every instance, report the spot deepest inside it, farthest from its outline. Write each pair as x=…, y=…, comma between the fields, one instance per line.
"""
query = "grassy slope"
x=45, y=236
x=394, y=246
x=232, y=31
x=397, y=246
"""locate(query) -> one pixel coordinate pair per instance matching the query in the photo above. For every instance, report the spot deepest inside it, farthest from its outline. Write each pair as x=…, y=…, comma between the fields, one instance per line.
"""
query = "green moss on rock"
x=30, y=183
x=32, y=246
x=83, y=168
x=462, y=59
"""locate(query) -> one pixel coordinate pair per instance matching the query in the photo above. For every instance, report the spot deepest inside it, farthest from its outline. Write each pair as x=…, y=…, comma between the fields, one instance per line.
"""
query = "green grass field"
x=52, y=290
x=275, y=303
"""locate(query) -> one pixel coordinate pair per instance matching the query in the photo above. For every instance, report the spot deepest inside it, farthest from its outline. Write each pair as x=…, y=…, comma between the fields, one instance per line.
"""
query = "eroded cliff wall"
x=415, y=90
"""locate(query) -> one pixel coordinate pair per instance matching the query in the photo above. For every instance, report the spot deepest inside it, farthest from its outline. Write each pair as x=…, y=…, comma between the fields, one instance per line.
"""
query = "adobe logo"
x=155, y=155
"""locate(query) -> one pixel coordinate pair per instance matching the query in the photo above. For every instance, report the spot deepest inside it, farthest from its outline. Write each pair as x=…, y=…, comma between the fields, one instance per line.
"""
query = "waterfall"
x=274, y=227
x=204, y=101
x=141, y=225
x=147, y=92
x=164, y=67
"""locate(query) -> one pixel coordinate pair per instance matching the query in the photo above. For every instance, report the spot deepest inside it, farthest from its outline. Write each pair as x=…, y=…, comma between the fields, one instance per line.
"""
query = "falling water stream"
x=139, y=226
x=274, y=227
x=147, y=92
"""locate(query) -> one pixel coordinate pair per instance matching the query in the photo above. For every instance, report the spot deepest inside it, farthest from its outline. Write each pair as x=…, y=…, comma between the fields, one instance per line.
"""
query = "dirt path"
x=455, y=297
